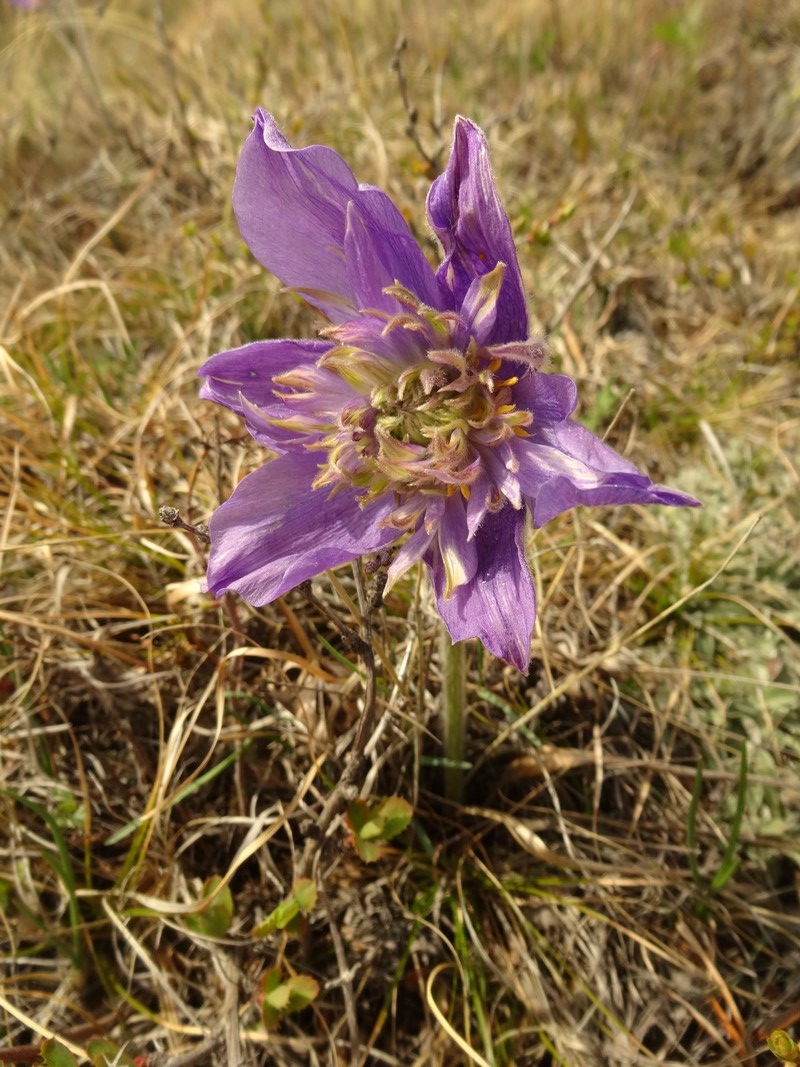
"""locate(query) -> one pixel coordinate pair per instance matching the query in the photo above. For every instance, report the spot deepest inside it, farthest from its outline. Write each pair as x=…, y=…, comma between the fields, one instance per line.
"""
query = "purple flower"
x=419, y=415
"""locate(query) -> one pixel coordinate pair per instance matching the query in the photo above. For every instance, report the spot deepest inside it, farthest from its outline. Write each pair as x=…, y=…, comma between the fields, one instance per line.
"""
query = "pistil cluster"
x=421, y=426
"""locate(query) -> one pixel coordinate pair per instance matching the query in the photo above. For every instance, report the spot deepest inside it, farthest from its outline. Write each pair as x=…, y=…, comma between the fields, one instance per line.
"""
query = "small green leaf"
x=372, y=830
x=283, y=996
x=279, y=918
x=305, y=893
x=278, y=994
x=275, y=997
x=730, y=861
x=781, y=1045
x=213, y=919
x=396, y=814
x=369, y=851
x=303, y=989
x=286, y=916
x=69, y=812
x=270, y=980
x=377, y=821
x=55, y=1055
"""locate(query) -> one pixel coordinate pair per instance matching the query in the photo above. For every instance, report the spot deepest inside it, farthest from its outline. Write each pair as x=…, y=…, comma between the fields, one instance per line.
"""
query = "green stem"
x=454, y=713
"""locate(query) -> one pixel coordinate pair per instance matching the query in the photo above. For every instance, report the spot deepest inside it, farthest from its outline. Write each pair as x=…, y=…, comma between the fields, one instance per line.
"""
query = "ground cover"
x=594, y=899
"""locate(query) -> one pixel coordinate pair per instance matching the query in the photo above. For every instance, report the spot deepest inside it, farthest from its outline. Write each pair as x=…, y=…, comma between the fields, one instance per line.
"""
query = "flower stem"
x=454, y=713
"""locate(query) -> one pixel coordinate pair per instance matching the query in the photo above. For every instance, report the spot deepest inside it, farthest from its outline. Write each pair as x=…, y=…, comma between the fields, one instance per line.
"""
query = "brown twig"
x=198, y=533
x=433, y=160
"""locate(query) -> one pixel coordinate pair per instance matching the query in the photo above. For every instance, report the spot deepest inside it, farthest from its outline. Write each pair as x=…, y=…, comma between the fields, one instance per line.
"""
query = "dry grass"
x=152, y=738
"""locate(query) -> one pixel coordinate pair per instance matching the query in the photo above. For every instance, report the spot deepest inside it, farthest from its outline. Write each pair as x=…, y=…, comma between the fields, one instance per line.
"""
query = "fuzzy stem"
x=454, y=713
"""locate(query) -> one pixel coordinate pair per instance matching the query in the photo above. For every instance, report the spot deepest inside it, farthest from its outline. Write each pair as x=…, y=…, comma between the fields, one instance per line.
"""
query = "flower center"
x=428, y=414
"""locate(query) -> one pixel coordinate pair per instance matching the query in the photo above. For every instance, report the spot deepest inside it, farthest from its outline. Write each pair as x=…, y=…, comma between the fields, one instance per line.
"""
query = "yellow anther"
x=464, y=491
x=495, y=364
x=504, y=409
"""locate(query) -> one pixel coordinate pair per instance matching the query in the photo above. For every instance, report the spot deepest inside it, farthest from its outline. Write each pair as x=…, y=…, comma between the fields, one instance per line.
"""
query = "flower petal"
x=549, y=397
x=408, y=555
x=479, y=308
x=381, y=250
x=531, y=353
x=498, y=606
x=502, y=465
x=482, y=495
x=468, y=217
x=242, y=379
x=564, y=465
x=249, y=370
x=290, y=204
x=292, y=208
x=458, y=553
x=275, y=531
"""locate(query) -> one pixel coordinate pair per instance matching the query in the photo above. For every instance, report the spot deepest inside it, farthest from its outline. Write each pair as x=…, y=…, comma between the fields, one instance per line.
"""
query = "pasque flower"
x=420, y=415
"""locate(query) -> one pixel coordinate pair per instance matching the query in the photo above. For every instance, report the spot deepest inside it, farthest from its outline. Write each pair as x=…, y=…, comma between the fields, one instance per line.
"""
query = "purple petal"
x=481, y=495
x=408, y=555
x=249, y=370
x=561, y=494
x=292, y=208
x=468, y=217
x=275, y=531
x=290, y=204
x=499, y=605
x=550, y=397
x=479, y=307
x=502, y=465
x=381, y=250
x=458, y=553
x=368, y=333
x=242, y=379
x=562, y=464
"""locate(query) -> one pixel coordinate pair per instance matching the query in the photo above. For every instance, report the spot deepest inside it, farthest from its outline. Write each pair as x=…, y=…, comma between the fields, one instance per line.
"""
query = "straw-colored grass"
x=594, y=901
